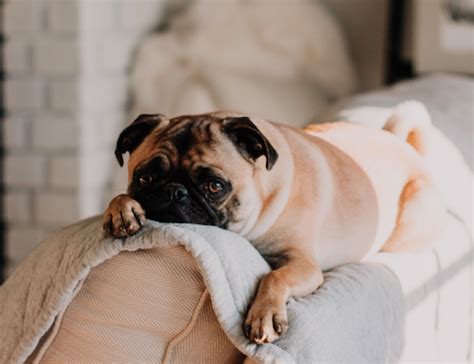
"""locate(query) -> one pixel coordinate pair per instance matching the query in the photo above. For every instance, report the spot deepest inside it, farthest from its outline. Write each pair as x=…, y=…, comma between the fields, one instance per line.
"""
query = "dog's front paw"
x=266, y=320
x=123, y=217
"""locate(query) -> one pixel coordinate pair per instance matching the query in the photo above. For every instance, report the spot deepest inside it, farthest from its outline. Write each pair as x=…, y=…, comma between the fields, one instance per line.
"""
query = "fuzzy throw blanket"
x=356, y=316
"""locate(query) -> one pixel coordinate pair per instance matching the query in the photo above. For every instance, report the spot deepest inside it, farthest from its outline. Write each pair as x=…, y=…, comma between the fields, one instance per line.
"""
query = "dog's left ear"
x=132, y=136
x=249, y=140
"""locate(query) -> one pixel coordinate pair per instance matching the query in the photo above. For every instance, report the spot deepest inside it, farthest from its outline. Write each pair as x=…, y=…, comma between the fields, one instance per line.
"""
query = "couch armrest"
x=142, y=306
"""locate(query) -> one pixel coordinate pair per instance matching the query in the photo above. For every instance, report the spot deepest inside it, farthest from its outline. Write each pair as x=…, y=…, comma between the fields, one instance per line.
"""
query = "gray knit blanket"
x=356, y=316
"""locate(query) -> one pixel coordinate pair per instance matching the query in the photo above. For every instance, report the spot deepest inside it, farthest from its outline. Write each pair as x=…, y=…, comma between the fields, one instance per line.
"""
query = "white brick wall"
x=64, y=172
x=25, y=170
x=22, y=17
x=41, y=128
x=24, y=94
x=16, y=130
x=55, y=56
x=51, y=133
x=56, y=208
x=18, y=207
x=17, y=57
x=26, y=238
x=63, y=95
x=65, y=98
x=62, y=16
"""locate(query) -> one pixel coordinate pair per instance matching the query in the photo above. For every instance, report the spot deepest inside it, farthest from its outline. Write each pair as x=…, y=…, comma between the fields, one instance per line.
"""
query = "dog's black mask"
x=174, y=199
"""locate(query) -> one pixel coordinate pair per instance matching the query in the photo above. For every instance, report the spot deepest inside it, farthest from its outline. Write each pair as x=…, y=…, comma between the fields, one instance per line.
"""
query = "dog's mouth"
x=187, y=212
x=168, y=216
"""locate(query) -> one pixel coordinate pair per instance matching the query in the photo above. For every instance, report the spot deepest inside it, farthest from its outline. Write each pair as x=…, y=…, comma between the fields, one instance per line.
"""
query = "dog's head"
x=196, y=168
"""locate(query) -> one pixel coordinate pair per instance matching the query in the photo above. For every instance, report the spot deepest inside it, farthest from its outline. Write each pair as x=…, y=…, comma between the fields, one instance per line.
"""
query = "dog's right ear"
x=132, y=136
x=249, y=140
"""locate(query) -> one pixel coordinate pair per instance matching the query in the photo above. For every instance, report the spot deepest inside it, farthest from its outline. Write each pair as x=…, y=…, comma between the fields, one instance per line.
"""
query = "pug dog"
x=308, y=200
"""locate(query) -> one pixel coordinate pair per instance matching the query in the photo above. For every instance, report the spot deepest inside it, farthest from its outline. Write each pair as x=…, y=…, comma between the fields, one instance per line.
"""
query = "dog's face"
x=196, y=169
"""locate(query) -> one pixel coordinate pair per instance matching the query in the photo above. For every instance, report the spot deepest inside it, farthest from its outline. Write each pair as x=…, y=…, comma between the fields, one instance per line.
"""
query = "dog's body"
x=330, y=195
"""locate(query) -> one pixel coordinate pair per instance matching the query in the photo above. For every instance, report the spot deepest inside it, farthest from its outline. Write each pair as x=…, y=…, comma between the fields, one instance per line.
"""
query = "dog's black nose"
x=175, y=192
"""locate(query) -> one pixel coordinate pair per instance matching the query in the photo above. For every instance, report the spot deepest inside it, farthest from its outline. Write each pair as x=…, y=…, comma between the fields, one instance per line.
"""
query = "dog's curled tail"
x=411, y=122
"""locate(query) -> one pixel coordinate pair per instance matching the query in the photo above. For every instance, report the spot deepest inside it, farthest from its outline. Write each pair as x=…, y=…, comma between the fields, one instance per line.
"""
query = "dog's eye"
x=215, y=187
x=145, y=179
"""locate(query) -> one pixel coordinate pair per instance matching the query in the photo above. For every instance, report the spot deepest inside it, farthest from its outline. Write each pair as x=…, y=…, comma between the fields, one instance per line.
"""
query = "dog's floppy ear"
x=249, y=139
x=132, y=136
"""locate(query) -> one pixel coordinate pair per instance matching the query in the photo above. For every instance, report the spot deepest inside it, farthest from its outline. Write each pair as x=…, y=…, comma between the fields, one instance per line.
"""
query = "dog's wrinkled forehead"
x=187, y=136
x=184, y=133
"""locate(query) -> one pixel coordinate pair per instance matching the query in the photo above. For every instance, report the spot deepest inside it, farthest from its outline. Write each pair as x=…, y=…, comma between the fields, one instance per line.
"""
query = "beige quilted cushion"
x=142, y=306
